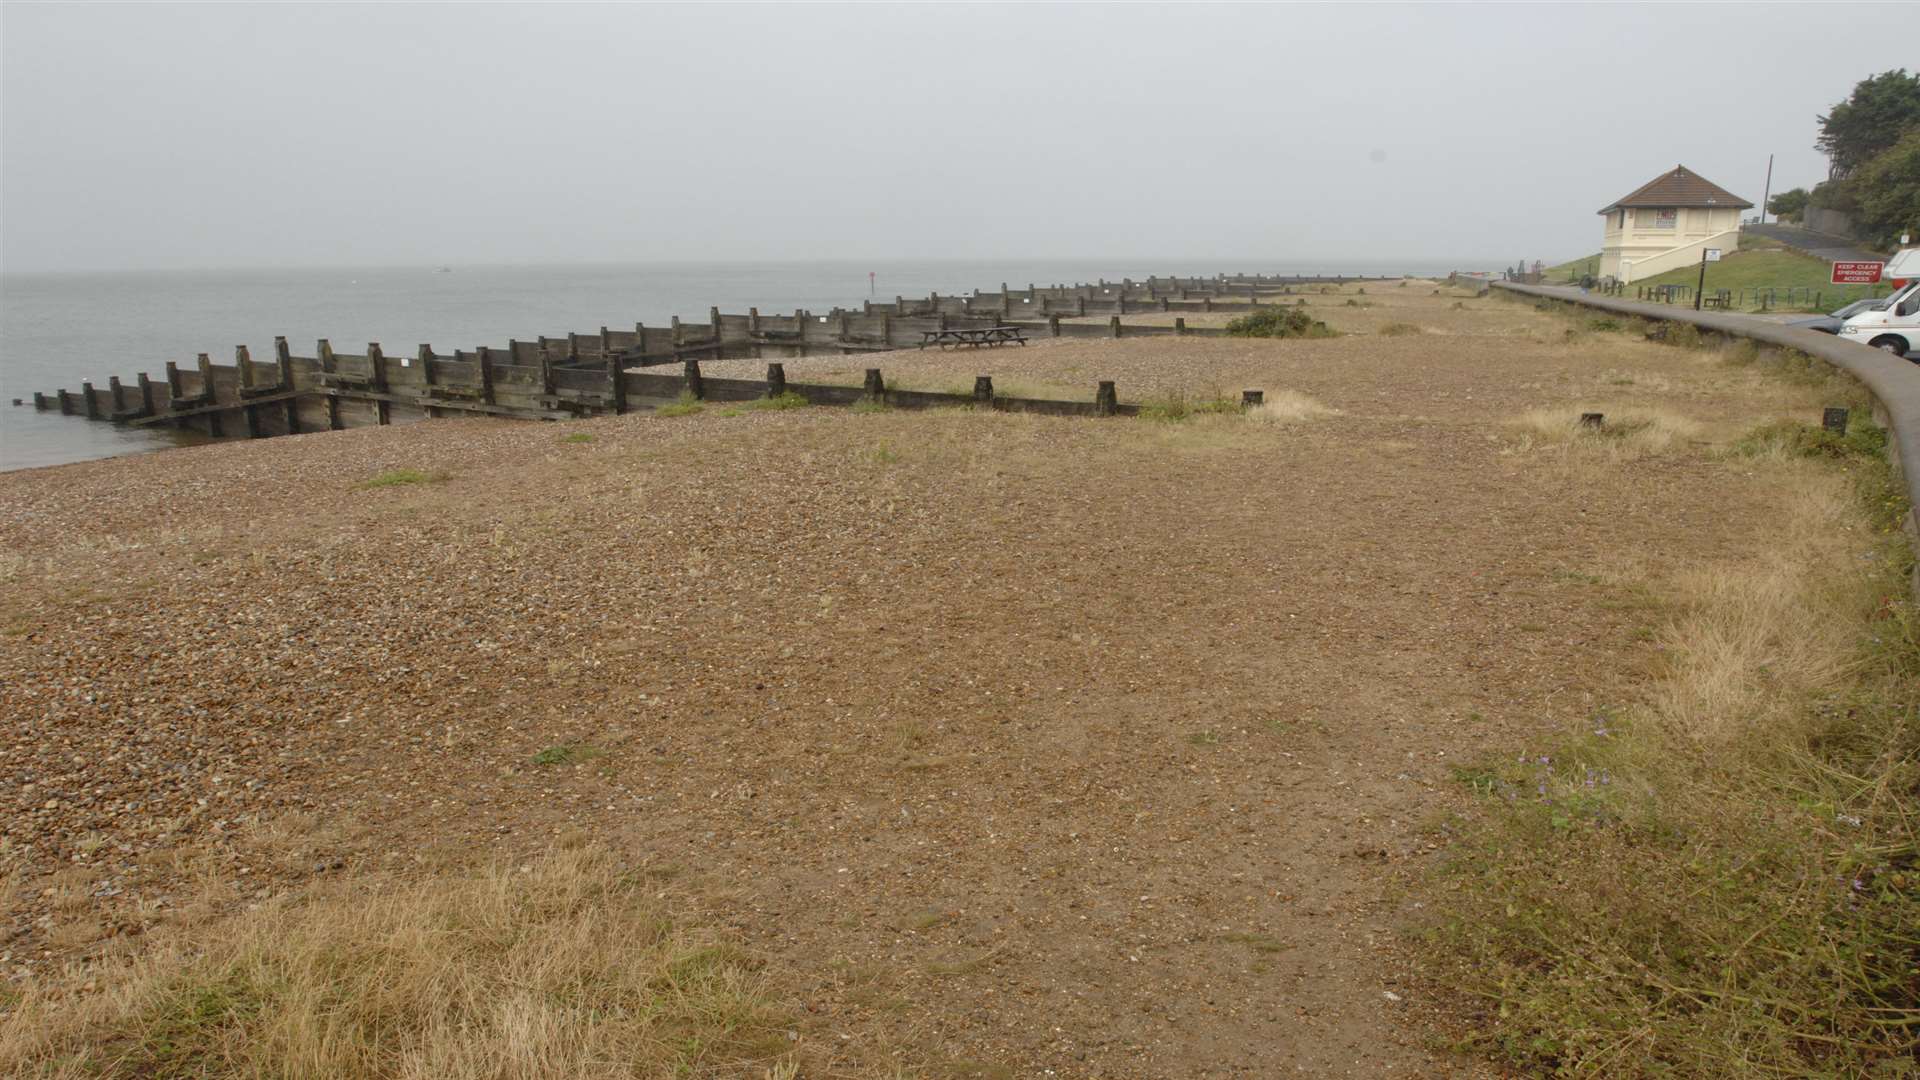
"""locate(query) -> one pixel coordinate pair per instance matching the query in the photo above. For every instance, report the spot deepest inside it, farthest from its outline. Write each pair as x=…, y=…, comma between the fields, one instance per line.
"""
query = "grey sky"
x=229, y=135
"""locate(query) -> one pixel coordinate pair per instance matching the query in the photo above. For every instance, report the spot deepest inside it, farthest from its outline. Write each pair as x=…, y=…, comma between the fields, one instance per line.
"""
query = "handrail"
x=1894, y=383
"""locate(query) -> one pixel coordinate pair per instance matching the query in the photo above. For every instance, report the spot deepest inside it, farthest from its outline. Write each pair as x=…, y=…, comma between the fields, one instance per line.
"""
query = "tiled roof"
x=1680, y=187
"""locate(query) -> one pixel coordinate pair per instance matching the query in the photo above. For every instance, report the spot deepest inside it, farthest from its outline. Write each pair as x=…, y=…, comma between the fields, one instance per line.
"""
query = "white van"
x=1895, y=327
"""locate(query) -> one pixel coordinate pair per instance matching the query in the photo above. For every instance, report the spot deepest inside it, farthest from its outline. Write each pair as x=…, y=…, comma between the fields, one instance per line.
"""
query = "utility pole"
x=1768, y=193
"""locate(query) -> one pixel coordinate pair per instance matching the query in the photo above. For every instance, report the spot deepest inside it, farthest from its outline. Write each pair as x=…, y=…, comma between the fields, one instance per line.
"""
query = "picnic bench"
x=974, y=336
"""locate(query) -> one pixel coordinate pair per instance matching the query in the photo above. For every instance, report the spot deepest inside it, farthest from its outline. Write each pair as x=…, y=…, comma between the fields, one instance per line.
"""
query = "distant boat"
x=443, y=269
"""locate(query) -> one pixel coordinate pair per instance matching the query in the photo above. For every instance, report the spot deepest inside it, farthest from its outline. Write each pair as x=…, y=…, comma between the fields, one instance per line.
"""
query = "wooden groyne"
x=575, y=375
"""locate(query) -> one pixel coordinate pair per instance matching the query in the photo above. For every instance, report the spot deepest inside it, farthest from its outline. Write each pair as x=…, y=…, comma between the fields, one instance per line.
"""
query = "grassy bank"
x=1769, y=268
x=1719, y=876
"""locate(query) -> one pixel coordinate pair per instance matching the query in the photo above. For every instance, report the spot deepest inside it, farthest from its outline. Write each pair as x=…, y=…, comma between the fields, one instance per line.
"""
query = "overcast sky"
x=159, y=135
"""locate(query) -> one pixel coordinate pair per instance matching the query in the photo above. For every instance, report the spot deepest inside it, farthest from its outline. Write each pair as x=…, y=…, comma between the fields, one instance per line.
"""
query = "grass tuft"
x=687, y=405
x=1289, y=407
x=401, y=477
x=1280, y=323
x=1399, y=329
x=780, y=402
x=1180, y=405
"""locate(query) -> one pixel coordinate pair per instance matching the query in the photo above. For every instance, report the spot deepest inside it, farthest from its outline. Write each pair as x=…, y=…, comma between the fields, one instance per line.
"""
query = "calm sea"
x=58, y=329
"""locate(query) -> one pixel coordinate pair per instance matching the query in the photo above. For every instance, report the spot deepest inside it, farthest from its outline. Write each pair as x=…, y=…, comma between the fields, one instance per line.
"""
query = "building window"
x=1656, y=219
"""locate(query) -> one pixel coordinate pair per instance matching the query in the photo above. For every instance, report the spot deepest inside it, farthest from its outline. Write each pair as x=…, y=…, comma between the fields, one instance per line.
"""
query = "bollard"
x=1250, y=398
x=1592, y=419
x=1834, y=420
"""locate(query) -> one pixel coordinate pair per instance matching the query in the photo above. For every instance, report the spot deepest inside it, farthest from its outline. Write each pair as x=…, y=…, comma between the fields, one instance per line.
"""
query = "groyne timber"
x=587, y=374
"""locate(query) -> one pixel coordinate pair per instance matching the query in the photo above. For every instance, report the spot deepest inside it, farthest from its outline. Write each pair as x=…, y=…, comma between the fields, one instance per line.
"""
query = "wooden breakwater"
x=575, y=375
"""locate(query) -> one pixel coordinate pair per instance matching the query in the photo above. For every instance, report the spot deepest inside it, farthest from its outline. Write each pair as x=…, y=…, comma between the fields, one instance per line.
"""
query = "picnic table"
x=975, y=336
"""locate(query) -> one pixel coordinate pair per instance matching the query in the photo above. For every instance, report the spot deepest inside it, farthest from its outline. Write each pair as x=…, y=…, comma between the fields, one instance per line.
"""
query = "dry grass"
x=1756, y=639
x=1289, y=407
x=1626, y=431
x=1720, y=872
x=565, y=966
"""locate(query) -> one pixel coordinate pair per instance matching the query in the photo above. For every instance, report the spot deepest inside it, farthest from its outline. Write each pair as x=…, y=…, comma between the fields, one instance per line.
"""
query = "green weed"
x=1280, y=323
x=687, y=405
x=401, y=477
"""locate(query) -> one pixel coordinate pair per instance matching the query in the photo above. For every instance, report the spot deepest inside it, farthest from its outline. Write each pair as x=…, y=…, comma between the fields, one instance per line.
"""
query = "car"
x=1830, y=324
x=1894, y=328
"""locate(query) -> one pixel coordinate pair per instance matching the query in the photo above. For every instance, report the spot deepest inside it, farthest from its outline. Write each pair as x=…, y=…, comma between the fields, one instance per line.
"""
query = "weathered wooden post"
x=983, y=388
x=1834, y=420
x=1107, y=401
x=283, y=361
x=1206, y=302
x=1080, y=306
x=483, y=370
x=118, y=395
x=875, y=387
x=66, y=401
x=776, y=380
x=249, y=413
x=423, y=356
x=696, y=386
x=753, y=320
x=713, y=320
x=673, y=325
x=546, y=379
x=205, y=363
x=377, y=360
x=886, y=328
x=1114, y=325
x=616, y=379
x=1053, y=325
x=323, y=352
x=1250, y=398
x=174, y=390
x=146, y=396
x=1180, y=326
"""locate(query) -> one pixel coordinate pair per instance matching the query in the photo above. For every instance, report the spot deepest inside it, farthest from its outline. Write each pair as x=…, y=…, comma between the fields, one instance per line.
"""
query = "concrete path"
x=1825, y=245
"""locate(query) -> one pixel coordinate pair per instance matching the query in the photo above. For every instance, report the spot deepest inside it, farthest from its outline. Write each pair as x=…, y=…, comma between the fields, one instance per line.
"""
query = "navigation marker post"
x=1707, y=255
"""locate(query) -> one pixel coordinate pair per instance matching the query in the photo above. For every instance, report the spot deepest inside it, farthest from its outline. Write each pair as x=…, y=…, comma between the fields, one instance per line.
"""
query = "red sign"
x=1856, y=273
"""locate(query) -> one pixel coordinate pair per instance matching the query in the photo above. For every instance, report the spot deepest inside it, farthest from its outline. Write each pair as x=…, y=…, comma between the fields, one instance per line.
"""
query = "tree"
x=1880, y=110
x=1887, y=188
x=1788, y=204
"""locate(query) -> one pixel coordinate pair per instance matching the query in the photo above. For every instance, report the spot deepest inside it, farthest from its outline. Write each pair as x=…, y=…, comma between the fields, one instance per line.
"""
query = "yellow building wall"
x=1640, y=248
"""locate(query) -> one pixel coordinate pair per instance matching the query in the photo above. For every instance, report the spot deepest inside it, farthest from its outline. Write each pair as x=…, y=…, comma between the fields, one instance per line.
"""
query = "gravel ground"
x=1091, y=746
